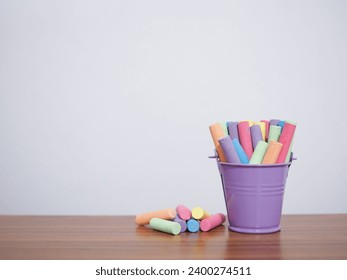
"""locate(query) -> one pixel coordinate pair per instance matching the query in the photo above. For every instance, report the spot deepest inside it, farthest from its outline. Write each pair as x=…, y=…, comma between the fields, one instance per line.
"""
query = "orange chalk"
x=272, y=152
x=167, y=214
x=218, y=133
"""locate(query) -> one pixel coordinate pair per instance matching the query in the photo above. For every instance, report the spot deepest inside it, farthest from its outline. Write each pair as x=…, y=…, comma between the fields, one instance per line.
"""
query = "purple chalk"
x=229, y=150
x=181, y=222
x=256, y=135
x=274, y=122
x=232, y=129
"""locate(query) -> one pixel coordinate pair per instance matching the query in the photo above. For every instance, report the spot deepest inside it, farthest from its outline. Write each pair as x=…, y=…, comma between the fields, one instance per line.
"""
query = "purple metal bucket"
x=254, y=195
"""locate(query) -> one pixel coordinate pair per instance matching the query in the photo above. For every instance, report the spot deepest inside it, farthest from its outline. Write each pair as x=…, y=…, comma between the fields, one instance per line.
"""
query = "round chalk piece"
x=183, y=212
x=193, y=225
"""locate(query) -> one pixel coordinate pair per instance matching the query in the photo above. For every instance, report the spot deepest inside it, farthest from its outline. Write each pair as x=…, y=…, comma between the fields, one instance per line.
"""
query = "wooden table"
x=117, y=237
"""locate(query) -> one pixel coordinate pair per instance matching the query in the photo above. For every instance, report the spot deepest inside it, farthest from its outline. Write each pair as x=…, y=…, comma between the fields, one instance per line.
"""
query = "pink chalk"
x=285, y=139
x=267, y=127
x=212, y=222
x=183, y=212
x=245, y=138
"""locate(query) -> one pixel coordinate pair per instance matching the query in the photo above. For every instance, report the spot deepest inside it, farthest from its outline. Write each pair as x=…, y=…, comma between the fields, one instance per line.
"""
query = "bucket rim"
x=252, y=165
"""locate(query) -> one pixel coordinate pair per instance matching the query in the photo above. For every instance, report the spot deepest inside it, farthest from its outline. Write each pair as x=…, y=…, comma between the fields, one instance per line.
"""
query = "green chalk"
x=165, y=226
x=258, y=153
x=224, y=127
x=274, y=133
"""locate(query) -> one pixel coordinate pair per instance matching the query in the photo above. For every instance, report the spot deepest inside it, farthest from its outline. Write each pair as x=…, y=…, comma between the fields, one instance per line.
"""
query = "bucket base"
x=256, y=230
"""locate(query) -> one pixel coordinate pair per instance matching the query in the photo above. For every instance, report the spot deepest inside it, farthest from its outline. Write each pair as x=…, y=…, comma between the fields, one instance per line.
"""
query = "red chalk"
x=245, y=138
x=285, y=139
x=212, y=222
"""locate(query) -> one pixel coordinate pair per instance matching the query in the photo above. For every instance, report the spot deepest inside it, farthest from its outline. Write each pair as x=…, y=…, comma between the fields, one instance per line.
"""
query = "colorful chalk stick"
x=259, y=153
x=183, y=212
x=217, y=133
x=285, y=139
x=262, y=129
x=240, y=152
x=281, y=124
x=291, y=143
x=167, y=214
x=245, y=138
x=198, y=213
x=232, y=129
x=256, y=135
x=224, y=127
x=250, y=123
x=272, y=152
x=267, y=126
x=274, y=121
x=183, y=223
x=193, y=225
x=229, y=150
x=274, y=133
x=165, y=226
x=212, y=222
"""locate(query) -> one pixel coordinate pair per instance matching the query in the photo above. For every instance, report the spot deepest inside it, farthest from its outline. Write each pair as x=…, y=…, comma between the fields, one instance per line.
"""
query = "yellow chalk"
x=198, y=213
x=262, y=128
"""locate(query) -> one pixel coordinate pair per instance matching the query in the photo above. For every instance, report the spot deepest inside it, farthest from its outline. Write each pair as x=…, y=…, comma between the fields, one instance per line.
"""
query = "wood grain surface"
x=117, y=237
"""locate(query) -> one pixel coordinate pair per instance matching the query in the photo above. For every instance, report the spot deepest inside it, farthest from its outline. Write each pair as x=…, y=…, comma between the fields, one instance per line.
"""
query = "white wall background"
x=105, y=105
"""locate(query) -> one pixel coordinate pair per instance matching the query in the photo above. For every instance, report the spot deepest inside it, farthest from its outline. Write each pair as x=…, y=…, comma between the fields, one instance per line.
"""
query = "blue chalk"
x=281, y=124
x=193, y=225
x=240, y=152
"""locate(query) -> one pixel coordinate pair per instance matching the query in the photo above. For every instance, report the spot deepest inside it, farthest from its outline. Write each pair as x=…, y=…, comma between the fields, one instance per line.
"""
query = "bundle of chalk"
x=175, y=221
x=249, y=142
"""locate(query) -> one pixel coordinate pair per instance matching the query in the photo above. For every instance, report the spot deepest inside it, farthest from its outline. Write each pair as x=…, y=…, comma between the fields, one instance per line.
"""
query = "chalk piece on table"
x=240, y=152
x=272, y=152
x=217, y=133
x=212, y=222
x=229, y=150
x=193, y=225
x=256, y=135
x=286, y=138
x=232, y=128
x=198, y=213
x=267, y=125
x=245, y=138
x=165, y=226
x=259, y=153
x=183, y=223
x=274, y=133
x=183, y=212
x=167, y=214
